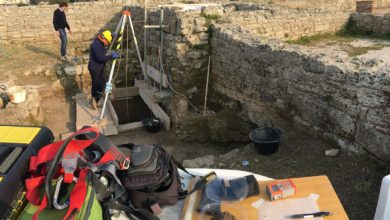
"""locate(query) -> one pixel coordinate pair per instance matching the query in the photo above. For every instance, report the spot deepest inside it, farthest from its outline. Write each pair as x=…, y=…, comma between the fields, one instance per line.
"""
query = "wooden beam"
x=154, y=74
x=130, y=126
x=155, y=107
x=113, y=113
x=120, y=93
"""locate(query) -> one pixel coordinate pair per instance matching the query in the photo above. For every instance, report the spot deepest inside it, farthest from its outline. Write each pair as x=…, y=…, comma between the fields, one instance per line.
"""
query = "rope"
x=126, y=68
x=178, y=93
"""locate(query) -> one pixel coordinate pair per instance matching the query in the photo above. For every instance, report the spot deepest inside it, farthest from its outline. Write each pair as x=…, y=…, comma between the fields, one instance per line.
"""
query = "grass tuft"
x=310, y=40
x=356, y=51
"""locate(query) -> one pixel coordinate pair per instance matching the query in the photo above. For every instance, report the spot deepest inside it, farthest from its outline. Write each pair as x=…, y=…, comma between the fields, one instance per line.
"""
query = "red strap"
x=68, y=177
x=106, y=158
x=32, y=186
x=48, y=152
x=113, y=155
x=44, y=155
x=40, y=209
x=78, y=194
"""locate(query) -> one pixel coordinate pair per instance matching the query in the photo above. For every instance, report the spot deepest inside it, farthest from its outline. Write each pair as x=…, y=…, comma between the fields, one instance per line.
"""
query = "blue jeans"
x=63, y=41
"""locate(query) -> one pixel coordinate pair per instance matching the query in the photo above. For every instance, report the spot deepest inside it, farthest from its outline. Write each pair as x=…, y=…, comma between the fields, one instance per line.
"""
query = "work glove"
x=108, y=87
x=115, y=55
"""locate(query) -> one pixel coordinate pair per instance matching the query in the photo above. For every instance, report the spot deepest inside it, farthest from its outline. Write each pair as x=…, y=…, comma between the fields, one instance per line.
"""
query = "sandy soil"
x=58, y=107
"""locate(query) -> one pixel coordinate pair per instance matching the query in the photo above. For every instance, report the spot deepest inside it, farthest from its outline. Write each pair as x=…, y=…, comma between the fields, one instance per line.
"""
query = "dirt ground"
x=356, y=179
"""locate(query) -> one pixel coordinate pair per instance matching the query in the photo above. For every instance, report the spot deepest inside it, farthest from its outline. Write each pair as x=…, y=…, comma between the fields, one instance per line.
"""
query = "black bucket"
x=152, y=125
x=266, y=140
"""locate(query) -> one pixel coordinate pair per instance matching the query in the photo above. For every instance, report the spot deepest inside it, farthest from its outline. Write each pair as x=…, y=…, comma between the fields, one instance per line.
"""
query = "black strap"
x=142, y=214
x=181, y=167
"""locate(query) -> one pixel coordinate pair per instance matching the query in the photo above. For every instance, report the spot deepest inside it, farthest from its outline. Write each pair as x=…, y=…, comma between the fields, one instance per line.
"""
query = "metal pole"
x=207, y=87
x=113, y=65
x=136, y=46
x=145, y=41
x=116, y=31
x=161, y=46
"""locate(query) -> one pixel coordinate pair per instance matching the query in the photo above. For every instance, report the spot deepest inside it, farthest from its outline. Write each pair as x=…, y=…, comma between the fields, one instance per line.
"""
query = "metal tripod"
x=126, y=16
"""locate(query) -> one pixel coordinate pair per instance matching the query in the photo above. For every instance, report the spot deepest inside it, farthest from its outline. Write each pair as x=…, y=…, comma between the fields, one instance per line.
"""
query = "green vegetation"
x=210, y=16
x=21, y=4
x=310, y=40
x=356, y=51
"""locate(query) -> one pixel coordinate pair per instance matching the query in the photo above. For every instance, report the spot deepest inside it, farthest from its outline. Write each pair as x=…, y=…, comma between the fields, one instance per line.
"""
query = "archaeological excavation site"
x=285, y=100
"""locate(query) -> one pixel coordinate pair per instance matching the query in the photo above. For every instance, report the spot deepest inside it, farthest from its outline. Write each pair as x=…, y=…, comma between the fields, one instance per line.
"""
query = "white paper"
x=281, y=209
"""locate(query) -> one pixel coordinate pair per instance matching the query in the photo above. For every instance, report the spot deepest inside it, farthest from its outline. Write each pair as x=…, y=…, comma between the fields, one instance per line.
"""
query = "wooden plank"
x=110, y=129
x=156, y=75
x=130, y=126
x=113, y=113
x=86, y=116
x=154, y=107
x=161, y=96
x=119, y=93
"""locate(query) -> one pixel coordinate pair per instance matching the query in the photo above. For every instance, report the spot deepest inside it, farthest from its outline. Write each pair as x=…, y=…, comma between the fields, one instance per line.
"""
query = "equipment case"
x=17, y=145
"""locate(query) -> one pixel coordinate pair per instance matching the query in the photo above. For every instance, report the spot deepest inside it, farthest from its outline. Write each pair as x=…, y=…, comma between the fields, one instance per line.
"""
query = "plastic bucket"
x=152, y=125
x=18, y=93
x=266, y=140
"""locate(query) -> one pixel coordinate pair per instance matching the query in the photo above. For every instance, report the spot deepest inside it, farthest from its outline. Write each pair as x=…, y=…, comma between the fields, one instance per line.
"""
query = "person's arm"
x=66, y=23
x=100, y=54
x=55, y=20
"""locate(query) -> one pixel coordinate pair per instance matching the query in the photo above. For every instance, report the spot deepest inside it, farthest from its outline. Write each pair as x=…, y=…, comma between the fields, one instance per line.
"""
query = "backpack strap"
x=181, y=167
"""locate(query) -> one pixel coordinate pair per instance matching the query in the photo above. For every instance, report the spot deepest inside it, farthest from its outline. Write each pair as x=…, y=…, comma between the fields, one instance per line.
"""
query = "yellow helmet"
x=108, y=35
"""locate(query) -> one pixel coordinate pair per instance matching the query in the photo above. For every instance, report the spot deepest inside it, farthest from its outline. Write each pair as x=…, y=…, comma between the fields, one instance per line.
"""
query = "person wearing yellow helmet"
x=97, y=61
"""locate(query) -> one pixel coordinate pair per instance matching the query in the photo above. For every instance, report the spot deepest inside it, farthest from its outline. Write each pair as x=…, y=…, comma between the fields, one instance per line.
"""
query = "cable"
x=178, y=93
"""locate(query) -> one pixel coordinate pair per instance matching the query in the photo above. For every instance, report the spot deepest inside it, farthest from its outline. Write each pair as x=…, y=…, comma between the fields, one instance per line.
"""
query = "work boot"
x=64, y=58
x=92, y=102
x=100, y=102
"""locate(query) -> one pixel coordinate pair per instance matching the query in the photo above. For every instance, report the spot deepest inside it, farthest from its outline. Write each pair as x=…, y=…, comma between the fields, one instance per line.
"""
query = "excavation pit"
x=131, y=109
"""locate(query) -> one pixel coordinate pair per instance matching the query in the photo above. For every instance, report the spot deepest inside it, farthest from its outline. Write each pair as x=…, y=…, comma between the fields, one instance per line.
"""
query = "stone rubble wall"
x=340, y=5
x=344, y=102
x=186, y=45
x=9, y=2
x=34, y=24
x=370, y=23
x=287, y=23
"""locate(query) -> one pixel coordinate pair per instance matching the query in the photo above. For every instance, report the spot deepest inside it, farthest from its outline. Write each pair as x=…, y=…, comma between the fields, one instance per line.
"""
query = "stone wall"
x=186, y=45
x=339, y=5
x=33, y=24
x=344, y=102
x=370, y=24
x=9, y=2
x=286, y=23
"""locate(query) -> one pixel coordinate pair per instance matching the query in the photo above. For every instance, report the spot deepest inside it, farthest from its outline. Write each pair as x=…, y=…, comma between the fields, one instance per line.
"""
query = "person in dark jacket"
x=60, y=23
x=97, y=61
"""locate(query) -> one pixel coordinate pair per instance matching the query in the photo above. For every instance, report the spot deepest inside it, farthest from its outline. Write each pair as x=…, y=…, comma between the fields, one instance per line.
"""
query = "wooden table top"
x=328, y=200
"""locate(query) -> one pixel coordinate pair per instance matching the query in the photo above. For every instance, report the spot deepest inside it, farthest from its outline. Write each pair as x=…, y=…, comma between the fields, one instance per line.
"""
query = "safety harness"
x=65, y=161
